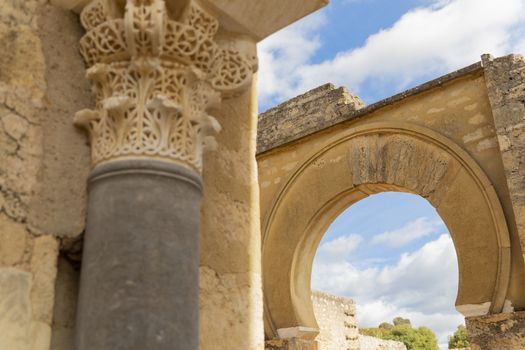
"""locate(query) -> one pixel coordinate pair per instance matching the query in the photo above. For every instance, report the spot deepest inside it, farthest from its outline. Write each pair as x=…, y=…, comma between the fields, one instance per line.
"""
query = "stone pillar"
x=156, y=71
x=505, y=79
x=497, y=332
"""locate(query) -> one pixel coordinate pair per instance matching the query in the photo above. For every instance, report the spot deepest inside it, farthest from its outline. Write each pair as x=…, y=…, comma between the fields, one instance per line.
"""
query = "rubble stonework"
x=504, y=331
x=336, y=317
x=312, y=111
x=338, y=326
x=371, y=343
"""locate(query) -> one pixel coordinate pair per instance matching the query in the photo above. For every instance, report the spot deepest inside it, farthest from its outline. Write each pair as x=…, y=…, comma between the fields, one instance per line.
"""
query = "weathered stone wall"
x=497, y=332
x=305, y=114
x=505, y=78
x=371, y=343
x=337, y=322
x=43, y=163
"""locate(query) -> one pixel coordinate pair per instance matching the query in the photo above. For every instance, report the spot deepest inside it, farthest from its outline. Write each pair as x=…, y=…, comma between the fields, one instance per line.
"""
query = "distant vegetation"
x=460, y=339
x=400, y=329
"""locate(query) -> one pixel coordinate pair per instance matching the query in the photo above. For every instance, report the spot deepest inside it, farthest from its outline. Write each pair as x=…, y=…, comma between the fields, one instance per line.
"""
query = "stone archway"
x=369, y=159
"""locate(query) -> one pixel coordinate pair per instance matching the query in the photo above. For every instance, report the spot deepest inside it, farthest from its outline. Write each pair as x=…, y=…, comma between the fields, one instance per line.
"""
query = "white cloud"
x=338, y=249
x=410, y=232
x=443, y=324
x=281, y=54
x=421, y=286
x=436, y=39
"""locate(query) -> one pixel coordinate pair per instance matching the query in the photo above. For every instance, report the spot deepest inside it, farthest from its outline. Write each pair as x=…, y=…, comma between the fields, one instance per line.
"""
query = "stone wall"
x=337, y=322
x=371, y=343
x=310, y=112
x=44, y=163
x=505, y=79
x=497, y=332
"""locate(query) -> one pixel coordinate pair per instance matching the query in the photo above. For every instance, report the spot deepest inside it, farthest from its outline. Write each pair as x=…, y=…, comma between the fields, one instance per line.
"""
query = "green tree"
x=400, y=320
x=375, y=332
x=386, y=325
x=421, y=338
x=459, y=339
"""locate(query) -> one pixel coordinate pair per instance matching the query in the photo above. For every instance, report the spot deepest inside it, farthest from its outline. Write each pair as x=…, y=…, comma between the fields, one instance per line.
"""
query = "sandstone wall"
x=305, y=114
x=505, y=78
x=337, y=322
x=43, y=163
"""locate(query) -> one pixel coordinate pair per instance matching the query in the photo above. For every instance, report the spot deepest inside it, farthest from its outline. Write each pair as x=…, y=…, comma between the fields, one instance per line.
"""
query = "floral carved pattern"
x=155, y=78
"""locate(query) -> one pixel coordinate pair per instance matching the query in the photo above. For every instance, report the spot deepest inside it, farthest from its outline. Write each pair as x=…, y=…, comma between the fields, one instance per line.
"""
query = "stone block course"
x=314, y=110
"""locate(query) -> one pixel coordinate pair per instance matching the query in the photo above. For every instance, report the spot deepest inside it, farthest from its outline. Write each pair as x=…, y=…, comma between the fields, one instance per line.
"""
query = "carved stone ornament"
x=155, y=77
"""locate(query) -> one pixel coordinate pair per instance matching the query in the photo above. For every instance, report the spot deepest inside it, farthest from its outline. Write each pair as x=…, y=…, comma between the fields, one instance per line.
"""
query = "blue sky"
x=390, y=252
x=380, y=47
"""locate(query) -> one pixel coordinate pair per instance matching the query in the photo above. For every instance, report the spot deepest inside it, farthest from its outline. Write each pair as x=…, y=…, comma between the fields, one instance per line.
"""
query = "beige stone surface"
x=438, y=141
x=291, y=344
x=62, y=177
x=371, y=343
x=22, y=90
x=505, y=79
x=44, y=270
x=257, y=19
x=41, y=85
x=13, y=242
x=230, y=280
x=336, y=317
x=15, y=309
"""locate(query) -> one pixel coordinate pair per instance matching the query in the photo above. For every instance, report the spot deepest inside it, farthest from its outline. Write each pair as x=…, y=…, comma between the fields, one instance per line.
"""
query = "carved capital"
x=155, y=75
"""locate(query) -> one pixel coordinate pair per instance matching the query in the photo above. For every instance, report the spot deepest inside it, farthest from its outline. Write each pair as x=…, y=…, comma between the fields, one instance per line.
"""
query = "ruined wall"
x=371, y=343
x=43, y=163
x=302, y=115
x=337, y=322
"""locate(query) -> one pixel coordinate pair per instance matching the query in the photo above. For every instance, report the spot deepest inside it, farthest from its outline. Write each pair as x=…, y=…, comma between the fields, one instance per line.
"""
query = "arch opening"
x=391, y=253
x=373, y=158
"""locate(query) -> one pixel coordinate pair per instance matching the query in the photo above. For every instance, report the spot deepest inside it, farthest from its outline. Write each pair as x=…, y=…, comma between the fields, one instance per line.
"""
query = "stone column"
x=156, y=73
